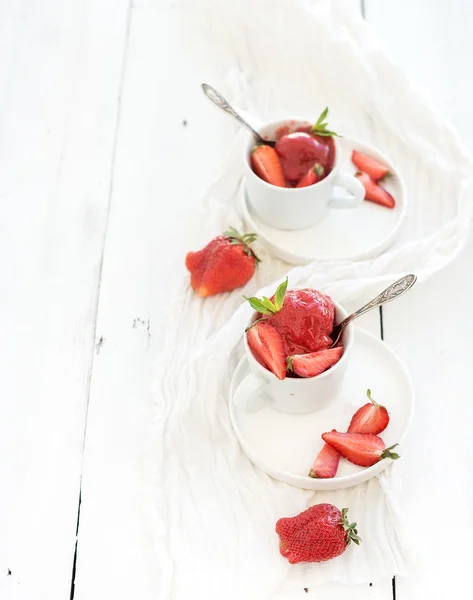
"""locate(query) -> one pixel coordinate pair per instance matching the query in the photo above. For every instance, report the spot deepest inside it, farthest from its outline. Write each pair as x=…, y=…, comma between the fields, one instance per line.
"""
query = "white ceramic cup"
x=297, y=208
x=294, y=395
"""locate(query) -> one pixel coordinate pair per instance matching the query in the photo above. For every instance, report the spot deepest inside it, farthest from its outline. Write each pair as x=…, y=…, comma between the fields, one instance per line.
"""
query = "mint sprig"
x=320, y=127
x=265, y=306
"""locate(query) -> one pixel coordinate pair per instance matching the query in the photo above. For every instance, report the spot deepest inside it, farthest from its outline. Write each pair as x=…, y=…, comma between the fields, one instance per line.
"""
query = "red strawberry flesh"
x=370, y=418
x=314, y=174
x=374, y=192
x=315, y=363
x=369, y=165
x=266, y=164
x=326, y=464
x=362, y=449
x=267, y=345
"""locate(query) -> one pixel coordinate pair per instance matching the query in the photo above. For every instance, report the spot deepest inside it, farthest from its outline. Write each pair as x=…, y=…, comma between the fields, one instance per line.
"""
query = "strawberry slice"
x=326, y=464
x=314, y=174
x=310, y=365
x=267, y=345
x=370, y=418
x=362, y=449
x=374, y=168
x=374, y=192
x=266, y=164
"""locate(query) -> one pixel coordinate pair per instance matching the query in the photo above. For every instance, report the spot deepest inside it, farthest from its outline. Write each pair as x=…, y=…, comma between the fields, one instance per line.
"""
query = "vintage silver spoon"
x=220, y=101
x=393, y=291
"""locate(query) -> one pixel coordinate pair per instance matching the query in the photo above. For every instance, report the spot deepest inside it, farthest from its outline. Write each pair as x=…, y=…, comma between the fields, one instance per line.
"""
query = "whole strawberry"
x=318, y=534
x=226, y=263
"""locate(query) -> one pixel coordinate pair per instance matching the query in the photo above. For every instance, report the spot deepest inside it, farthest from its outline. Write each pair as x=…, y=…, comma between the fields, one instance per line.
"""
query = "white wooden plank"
x=430, y=327
x=432, y=333
x=431, y=40
x=60, y=69
x=156, y=181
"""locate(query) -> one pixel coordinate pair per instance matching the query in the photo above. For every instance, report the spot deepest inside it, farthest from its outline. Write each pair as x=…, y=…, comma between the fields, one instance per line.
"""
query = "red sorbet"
x=305, y=321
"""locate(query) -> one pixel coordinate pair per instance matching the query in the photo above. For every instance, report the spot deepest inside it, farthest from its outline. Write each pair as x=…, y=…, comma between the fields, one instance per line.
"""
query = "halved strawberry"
x=266, y=164
x=326, y=464
x=310, y=365
x=367, y=164
x=362, y=449
x=267, y=345
x=374, y=192
x=314, y=174
x=370, y=418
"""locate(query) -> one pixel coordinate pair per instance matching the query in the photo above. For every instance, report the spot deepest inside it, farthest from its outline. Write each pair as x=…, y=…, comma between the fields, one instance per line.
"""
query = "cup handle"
x=246, y=390
x=353, y=186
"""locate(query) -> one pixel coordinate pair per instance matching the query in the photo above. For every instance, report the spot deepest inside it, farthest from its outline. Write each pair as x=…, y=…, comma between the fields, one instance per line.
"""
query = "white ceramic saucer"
x=357, y=234
x=284, y=446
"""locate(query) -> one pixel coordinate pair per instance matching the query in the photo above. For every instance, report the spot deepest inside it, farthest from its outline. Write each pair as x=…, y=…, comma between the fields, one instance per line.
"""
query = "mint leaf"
x=264, y=304
x=279, y=295
x=260, y=306
x=320, y=127
x=324, y=114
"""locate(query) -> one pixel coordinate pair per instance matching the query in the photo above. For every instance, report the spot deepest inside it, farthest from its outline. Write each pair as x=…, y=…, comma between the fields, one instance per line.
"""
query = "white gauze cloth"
x=214, y=511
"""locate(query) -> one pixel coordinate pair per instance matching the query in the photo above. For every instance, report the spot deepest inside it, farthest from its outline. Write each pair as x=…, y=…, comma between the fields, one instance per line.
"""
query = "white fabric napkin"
x=214, y=512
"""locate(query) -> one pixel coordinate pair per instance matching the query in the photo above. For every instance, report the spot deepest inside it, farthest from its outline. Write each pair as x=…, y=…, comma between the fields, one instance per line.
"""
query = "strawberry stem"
x=313, y=474
x=388, y=454
x=368, y=393
x=235, y=237
x=290, y=367
x=350, y=529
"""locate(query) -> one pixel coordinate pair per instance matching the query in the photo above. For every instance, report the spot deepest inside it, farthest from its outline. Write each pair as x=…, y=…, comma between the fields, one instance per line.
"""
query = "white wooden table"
x=84, y=242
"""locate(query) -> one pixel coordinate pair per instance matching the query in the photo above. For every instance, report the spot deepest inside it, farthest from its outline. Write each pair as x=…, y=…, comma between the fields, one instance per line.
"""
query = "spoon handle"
x=220, y=101
x=392, y=292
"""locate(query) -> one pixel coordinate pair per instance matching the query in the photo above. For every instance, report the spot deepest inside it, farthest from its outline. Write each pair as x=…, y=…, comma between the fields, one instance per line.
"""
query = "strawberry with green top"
x=318, y=534
x=299, y=151
x=303, y=317
x=225, y=263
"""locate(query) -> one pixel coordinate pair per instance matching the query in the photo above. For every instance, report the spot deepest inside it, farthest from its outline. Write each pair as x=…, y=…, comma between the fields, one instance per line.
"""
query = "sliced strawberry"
x=266, y=164
x=310, y=365
x=314, y=174
x=370, y=418
x=326, y=464
x=374, y=192
x=374, y=168
x=362, y=449
x=267, y=345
